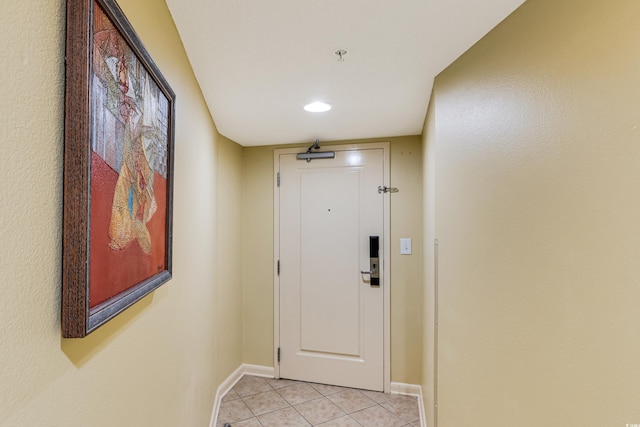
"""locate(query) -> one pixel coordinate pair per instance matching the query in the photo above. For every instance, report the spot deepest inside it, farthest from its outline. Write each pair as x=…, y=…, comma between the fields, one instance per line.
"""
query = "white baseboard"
x=408, y=389
x=259, y=371
x=223, y=389
x=412, y=390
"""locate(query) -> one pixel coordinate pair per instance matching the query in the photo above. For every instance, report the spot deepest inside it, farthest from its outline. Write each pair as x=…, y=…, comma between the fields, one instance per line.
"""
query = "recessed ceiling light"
x=317, y=107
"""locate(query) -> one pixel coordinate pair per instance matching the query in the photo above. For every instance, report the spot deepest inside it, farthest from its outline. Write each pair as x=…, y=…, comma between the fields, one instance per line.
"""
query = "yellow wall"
x=406, y=270
x=161, y=361
x=537, y=194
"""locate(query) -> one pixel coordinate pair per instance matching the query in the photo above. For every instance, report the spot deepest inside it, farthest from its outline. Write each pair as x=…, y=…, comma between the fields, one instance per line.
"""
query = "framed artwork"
x=118, y=169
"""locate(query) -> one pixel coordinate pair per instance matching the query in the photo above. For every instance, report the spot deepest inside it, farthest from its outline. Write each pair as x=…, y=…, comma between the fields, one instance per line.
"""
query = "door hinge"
x=278, y=179
x=278, y=354
x=278, y=268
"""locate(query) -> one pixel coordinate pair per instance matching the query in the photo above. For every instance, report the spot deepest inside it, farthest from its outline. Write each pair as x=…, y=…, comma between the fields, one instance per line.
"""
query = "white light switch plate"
x=405, y=246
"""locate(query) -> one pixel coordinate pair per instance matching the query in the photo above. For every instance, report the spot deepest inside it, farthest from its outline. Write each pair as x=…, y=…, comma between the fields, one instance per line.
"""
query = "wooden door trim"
x=386, y=250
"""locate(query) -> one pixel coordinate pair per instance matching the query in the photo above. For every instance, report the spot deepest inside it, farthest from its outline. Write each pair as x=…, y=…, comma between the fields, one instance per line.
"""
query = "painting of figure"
x=128, y=167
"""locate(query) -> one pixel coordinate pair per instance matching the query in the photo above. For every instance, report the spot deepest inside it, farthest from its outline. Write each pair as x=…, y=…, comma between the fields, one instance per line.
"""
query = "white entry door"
x=332, y=316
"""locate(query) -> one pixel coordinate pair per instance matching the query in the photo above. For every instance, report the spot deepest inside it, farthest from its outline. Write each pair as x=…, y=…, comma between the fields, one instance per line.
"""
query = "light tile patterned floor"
x=264, y=402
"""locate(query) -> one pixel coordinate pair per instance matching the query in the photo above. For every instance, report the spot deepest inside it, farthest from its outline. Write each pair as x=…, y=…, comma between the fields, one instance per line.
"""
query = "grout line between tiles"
x=321, y=396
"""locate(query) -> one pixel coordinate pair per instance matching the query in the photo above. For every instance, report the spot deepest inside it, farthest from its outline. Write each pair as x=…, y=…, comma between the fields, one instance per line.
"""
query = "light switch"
x=405, y=246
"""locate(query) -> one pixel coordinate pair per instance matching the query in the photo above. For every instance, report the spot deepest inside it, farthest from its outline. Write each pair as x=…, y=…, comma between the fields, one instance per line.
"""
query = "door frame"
x=386, y=247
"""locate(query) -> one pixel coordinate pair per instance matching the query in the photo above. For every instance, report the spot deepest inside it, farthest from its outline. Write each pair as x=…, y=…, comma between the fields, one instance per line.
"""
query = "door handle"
x=374, y=260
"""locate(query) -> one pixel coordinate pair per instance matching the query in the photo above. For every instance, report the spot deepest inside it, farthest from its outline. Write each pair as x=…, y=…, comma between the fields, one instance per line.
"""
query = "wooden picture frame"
x=118, y=169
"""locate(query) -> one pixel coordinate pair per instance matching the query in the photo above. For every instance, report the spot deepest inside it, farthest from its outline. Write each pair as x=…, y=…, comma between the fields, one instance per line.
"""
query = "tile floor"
x=265, y=402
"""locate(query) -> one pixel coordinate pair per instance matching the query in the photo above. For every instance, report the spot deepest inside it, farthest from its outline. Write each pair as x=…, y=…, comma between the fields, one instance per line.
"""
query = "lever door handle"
x=366, y=272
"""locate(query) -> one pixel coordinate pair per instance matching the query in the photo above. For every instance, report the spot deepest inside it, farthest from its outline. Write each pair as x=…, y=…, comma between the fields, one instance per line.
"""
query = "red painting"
x=118, y=169
x=130, y=116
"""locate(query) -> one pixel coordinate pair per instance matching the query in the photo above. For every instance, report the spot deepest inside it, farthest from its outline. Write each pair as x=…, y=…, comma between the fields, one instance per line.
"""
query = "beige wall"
x=257, y=255
x=160, y=362
x=537, y=182
x=429, y=376
x=406, y=271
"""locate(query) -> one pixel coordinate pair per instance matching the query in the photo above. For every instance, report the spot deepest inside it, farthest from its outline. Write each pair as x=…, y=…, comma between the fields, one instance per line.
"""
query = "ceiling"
x=259, y=62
